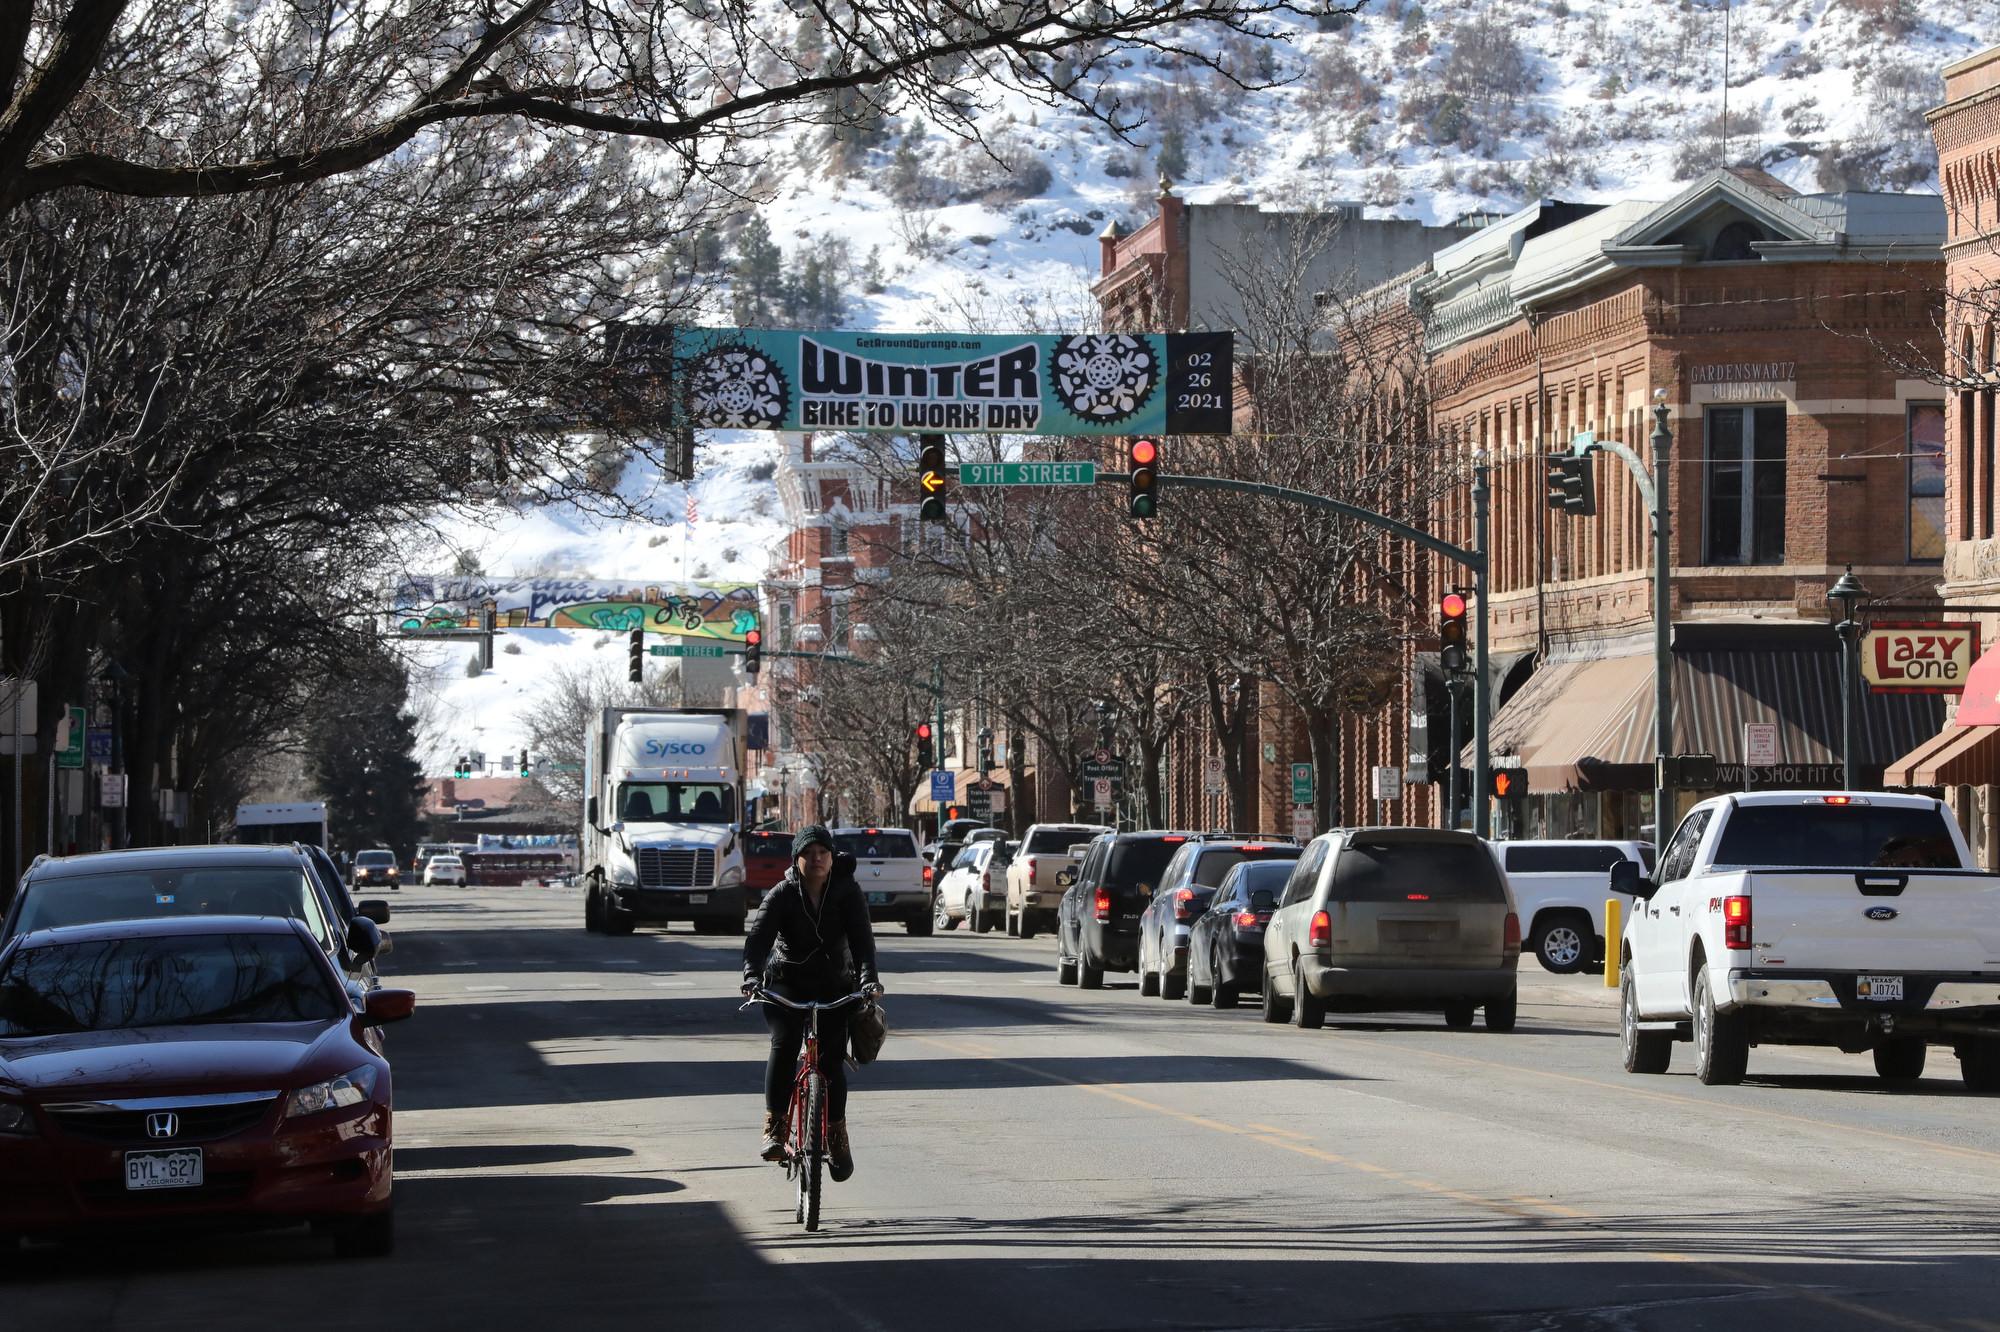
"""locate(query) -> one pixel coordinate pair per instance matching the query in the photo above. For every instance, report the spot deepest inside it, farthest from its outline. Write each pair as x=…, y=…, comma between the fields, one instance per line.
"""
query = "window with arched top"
x=1734, y=242
x=1966, y=401
x=1984, y=449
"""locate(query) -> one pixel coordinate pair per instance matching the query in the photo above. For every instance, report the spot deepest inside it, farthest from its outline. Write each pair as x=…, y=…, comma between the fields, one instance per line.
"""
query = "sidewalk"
x=1584, y=993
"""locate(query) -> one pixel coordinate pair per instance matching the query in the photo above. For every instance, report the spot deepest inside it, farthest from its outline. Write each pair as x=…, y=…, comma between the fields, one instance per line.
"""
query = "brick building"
x=1964, y=757
x=1757, y=312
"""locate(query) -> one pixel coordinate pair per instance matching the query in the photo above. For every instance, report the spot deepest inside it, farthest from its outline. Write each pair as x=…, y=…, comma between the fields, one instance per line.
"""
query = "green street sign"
x=1028, y=474
x=687, y=650
x=1302, y=783
x=71, y=754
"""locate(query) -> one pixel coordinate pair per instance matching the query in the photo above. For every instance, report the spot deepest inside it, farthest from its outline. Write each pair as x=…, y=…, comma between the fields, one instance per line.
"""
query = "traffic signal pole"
x=1482, y=688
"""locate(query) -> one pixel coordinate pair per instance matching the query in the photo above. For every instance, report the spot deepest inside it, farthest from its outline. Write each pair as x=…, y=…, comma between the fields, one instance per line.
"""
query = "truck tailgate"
x=1893, y=920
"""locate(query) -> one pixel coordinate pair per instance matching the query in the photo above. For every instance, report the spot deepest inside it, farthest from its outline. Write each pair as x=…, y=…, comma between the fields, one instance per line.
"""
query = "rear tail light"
x=1181, y=900
x=928, y=873
x=1320, y=934
x=1104, y=904
x=1735, y=922
x=1510, y=934
x=986, y=882
x=1034, y=872
x=1246, y=919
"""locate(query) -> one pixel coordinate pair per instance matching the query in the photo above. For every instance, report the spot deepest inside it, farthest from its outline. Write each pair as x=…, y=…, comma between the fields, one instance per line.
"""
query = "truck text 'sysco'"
x=1856, y=921
x=663, y=801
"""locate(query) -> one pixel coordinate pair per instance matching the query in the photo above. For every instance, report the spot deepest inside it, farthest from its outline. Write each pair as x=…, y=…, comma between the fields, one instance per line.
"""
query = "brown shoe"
x=773, y=1146
x=840, y=1157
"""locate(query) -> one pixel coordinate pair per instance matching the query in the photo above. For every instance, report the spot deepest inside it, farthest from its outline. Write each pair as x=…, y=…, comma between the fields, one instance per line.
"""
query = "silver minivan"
x=1393, y=918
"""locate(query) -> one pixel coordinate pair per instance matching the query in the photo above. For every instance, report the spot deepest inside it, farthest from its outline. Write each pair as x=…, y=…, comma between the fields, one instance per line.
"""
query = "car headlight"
x=350, y=1088
x=15, y=1120
x=731, y=876
x=624, y=875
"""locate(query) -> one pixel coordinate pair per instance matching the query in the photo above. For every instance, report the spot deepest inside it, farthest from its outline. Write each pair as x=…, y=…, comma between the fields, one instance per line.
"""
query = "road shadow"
x=501, y=1155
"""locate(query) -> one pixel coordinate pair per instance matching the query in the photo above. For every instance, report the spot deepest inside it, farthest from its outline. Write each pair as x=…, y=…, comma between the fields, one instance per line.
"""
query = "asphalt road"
x=576, y=1124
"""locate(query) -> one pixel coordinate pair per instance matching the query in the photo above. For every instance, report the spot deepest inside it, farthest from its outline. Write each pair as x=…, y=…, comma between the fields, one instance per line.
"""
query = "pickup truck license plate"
x=697, y=899
x=878, y=899
x=1879, y=989
x=179, y=1169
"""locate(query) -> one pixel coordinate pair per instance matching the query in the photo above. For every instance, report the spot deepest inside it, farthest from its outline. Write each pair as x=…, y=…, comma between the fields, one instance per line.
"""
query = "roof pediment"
x=1724, y=193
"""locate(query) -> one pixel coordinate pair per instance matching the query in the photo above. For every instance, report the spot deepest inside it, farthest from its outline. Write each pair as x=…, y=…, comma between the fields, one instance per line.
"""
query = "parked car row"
x=194, y=1033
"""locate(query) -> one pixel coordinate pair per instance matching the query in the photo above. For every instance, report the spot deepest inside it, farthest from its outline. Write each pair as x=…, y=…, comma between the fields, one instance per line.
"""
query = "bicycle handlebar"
x=760, y=995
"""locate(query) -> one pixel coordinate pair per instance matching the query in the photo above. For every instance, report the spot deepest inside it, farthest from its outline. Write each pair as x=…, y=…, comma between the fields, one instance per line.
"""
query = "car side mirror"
x=364, y=940
x=590, y=812
x=385, y=1006
x=1626, y=878
x=374, y=908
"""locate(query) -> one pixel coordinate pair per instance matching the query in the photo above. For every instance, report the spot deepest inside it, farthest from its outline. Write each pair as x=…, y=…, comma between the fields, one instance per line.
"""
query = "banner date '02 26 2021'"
x=883, y=383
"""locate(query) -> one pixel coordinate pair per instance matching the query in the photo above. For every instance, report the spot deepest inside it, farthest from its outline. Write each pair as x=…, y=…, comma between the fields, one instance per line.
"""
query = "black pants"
x=788, y=1034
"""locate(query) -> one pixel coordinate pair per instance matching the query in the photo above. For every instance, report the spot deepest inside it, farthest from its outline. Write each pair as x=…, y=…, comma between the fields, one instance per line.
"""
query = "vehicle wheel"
x=1564, y=943
x=919, y=927
x=810, y=1169
x=369, y=1237
x=617, y=922
x=593, y=913
x=1308, y=1009
x=1023, y=927
x=1149, y=984
x=1013, y=924
x=941, y=917
x=1644, y=1051
x=1172, y=986
x=1087, y=976
x=1900, y=1060
x=1065, y=969
x=1275, y=1009
x=1224, y=995
x=1460, y=1013
x=1199, y=994
x=1979, y=1064
x=1721, y=1046
x=1500, y=1013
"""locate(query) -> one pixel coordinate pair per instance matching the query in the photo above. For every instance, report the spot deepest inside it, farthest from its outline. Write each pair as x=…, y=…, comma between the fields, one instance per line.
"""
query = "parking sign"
x=944, y=787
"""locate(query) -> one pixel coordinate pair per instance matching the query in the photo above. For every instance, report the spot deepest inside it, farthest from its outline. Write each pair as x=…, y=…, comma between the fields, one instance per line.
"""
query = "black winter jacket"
x=791, y=945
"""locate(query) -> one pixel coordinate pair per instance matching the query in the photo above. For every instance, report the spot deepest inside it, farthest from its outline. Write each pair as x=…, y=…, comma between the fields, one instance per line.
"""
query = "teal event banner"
x=884, y=383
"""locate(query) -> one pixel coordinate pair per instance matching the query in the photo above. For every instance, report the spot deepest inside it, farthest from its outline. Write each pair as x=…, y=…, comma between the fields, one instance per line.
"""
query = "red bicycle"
x=805, y=1154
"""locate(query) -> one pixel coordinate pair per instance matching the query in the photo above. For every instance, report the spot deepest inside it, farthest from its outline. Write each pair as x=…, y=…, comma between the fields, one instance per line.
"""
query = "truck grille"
x=676, y=867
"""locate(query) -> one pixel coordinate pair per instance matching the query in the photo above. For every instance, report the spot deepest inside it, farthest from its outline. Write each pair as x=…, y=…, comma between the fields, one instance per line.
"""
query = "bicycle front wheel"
x=815, y=1158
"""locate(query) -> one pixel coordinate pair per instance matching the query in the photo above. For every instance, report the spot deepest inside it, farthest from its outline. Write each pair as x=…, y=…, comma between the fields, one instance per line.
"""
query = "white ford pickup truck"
x=1813, y=918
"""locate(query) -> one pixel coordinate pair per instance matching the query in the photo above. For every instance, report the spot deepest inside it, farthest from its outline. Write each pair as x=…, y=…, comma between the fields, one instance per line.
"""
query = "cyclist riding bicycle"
x=810, y=941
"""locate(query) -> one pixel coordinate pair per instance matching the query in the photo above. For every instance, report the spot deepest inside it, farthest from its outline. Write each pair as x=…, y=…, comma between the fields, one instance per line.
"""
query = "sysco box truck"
x=662, y=819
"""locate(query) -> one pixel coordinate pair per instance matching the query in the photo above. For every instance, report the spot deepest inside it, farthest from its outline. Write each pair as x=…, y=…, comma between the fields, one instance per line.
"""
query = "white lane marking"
x=581, y=985
x=673, y=985
x=486, y=989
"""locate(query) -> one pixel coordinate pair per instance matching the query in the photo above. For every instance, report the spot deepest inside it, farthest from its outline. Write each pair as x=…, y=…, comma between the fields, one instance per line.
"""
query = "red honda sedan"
x=190, y=1067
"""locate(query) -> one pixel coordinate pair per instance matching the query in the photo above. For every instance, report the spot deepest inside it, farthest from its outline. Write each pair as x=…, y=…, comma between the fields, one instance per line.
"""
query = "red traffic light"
x=923, y=730
x=754, y=637
x=1145, y=453
x=1452, y=606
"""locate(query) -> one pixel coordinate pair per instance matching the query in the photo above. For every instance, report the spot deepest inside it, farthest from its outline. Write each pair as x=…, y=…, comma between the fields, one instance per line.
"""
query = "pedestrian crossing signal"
x=1509, y=783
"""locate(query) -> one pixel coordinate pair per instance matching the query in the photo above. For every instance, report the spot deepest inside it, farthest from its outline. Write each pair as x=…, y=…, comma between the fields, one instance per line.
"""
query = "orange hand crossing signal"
x=1509, y=783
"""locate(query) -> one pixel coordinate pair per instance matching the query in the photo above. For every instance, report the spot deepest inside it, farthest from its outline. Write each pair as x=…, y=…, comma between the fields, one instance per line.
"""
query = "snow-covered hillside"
x=1426, y=111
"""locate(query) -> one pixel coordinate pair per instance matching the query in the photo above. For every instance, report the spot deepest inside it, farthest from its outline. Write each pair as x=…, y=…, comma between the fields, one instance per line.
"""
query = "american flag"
x=693, y=509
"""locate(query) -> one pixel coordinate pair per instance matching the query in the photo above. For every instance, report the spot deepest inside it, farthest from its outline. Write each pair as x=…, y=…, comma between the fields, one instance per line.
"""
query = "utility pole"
x=1663, y=621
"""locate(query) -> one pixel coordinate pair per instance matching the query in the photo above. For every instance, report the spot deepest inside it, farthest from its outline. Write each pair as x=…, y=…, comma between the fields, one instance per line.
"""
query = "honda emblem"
x=164, y=1124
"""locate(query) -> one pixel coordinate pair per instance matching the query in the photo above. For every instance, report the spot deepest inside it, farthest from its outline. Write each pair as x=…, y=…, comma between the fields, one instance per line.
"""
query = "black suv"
x=1097, y=923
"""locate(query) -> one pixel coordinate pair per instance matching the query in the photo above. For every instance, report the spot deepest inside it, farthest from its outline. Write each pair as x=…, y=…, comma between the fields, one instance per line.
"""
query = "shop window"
x=1746, y=485
x=1925, y=456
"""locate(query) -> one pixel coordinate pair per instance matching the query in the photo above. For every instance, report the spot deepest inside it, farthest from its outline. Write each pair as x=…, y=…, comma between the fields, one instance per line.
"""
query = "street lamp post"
x=1847, y=593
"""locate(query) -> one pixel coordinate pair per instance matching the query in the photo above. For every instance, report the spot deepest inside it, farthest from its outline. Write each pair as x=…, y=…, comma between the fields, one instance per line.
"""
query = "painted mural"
x=724, y=611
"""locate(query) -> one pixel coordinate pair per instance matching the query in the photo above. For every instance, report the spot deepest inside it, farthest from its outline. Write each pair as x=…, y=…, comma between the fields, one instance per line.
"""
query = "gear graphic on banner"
x=1105, y=376
x=740, y=388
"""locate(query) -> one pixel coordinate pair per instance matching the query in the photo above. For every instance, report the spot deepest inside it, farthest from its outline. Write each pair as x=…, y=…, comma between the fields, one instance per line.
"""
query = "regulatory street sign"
x=1302, y=821
x=1101, y=790
x=688, y=650
x=1101, y=756
x=944, y=787
x=113, y=796
x=1760, y=744
x=1211, y=774
x=100, y=745
x=1388, y=783
x=1028, y=474
x=70, y=737
x=1302, y=783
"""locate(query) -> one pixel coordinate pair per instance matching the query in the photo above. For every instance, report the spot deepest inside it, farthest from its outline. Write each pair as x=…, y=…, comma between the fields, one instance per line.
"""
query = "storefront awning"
x=1588, y=725
x=1958, y=756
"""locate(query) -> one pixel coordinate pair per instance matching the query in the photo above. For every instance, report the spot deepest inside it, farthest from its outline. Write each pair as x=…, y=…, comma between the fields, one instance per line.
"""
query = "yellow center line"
x=1527, y=1208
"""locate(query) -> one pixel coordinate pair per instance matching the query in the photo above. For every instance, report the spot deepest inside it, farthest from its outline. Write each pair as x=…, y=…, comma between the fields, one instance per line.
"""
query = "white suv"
x=1559, y=889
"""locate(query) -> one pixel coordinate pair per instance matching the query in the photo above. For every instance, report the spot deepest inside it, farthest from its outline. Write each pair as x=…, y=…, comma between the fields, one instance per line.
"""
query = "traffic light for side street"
x=1145, y=478
x=1508, y=783
x=924, y=755
x=525, y=768
x=1451, y=632
x=462, y=768
x=1572, y=484
x=931, y=477
x=753, y=652
x=635, y=654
